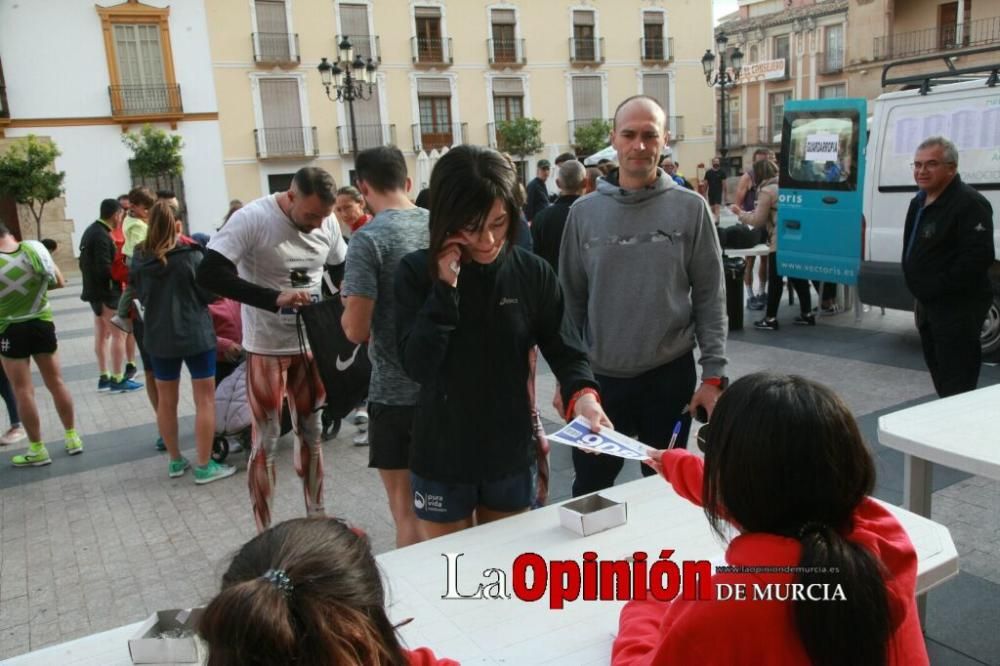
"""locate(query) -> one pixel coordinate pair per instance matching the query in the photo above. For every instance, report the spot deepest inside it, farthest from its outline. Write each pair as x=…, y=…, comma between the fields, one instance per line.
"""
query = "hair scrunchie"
x=812, y=527
x=279, y=578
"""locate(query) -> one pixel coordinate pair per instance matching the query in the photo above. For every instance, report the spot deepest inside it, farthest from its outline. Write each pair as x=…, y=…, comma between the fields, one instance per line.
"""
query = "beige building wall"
x=544, y=27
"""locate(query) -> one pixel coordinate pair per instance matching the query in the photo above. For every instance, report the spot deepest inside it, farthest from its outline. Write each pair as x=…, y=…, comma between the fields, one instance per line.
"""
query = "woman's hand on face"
x=449, y=260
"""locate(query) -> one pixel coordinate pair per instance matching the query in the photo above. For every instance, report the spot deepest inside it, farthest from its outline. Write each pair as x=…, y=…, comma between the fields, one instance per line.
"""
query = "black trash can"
x=734, y=268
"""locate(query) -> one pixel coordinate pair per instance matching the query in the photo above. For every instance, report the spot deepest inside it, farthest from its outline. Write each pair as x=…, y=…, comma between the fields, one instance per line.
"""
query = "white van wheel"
x=990, y=335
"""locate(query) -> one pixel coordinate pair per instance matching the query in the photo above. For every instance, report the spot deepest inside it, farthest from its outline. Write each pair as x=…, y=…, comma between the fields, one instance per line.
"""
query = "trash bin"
x=734, y=268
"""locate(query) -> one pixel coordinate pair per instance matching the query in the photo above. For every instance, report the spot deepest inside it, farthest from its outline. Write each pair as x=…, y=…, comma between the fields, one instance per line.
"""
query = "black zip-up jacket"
x=176, y=322
x=97, y=252
x=547, y=229
x=468, y=348
x=953, y=249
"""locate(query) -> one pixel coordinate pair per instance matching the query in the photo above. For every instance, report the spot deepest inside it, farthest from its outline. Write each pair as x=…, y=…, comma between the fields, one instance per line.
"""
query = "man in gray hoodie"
x=641, y=270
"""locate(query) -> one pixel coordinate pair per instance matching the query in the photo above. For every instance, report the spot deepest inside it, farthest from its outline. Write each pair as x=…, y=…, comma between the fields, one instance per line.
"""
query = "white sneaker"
x=12, y=436
x=360, y=418
x=361, y=439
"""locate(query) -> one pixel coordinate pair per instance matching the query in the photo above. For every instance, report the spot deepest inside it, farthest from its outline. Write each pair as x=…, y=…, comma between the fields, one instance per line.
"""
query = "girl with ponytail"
x=786, y=470
x=305, y=592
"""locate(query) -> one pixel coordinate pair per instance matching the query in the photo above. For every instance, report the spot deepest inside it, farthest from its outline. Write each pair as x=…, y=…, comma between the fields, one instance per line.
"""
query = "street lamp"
x=351, y=77
x=722, y=77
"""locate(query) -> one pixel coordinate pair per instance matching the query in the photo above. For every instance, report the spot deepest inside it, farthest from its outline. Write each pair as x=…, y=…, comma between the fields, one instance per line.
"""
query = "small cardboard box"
x=179, y=646
x=592, y=514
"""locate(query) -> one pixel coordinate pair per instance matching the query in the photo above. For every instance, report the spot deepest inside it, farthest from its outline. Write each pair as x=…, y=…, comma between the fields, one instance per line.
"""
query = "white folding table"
x=510, y=631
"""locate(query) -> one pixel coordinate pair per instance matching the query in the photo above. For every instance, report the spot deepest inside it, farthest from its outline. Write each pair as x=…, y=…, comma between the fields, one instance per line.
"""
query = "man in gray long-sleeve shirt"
x=641, y=270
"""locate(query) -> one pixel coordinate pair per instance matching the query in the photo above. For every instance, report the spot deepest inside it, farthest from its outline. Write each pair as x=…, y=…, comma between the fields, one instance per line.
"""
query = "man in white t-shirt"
x=270, y=257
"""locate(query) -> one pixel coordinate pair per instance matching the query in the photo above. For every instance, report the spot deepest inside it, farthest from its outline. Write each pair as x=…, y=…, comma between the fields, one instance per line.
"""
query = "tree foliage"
x=520, y=137
x=592, y=137
x=155, y=152
x=28, y=175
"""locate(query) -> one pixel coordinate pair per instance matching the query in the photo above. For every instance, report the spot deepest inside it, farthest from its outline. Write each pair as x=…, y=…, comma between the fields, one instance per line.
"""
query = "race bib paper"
x=577, y=433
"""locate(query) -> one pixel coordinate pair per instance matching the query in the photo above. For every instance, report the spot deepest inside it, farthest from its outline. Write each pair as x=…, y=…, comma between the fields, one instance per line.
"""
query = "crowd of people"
x=615, y=282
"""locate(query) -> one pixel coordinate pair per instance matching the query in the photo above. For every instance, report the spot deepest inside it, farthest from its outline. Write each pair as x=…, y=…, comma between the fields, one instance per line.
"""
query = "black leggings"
x=775, y=287
x=8, y=397
x=829, y=290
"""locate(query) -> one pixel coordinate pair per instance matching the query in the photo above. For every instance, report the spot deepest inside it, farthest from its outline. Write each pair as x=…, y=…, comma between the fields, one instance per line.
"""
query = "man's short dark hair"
x=109, y=207
x=383, y=168
x=315, y=181
x=50, y=245
x=123, y=196
x=564, y=157
x=166, y=194
x=141, y=196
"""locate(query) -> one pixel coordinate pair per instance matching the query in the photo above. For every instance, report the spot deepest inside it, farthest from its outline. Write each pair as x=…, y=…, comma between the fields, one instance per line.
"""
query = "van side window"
x=821, y=151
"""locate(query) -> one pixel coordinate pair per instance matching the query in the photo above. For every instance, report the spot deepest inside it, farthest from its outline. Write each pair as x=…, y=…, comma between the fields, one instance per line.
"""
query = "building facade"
x=81, y=74
x=448, y=71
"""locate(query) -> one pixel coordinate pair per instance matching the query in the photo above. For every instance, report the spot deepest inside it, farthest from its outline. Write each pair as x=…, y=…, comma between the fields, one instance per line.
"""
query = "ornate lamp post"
x=723, y=78
x=351, y=77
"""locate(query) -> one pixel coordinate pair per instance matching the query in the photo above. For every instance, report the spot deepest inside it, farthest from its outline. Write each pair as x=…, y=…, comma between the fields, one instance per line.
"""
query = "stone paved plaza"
x=106, y=538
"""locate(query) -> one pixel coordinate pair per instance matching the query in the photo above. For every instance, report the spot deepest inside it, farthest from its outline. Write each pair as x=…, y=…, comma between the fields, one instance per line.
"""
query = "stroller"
x=233, y=420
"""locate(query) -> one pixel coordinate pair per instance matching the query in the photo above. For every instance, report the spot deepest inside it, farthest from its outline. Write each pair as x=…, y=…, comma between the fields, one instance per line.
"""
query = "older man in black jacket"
x=547, y=229
x=947, y=251
x=97, y=252
x=537, y=198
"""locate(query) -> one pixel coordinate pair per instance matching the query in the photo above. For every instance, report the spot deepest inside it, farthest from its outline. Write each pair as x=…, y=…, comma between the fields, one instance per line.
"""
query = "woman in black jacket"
x=178, y=329
x=468, y=310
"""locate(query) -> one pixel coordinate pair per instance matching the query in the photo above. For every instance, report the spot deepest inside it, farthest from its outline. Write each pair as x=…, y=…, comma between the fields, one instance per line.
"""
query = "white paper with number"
x=822, y=147
x=577, y=433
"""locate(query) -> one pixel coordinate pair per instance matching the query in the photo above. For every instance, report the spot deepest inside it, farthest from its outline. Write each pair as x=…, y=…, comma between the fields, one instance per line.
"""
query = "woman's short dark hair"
x=305, y=592
x=784, y=456
x=464, y=185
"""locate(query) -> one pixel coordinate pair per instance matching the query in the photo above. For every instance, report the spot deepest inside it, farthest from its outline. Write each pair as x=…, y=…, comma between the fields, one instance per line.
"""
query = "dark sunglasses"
x=702, y=437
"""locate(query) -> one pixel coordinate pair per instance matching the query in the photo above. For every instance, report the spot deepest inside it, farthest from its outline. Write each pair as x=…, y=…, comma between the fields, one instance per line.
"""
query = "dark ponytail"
x=784, y=456
x=306, y=592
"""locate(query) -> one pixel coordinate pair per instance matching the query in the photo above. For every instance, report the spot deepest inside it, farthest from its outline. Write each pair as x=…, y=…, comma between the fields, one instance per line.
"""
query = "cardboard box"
x=592, y=514
x=168, y=637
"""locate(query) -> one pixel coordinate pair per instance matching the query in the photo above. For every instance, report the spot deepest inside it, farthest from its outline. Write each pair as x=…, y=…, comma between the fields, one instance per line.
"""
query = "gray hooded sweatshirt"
x=641, y=271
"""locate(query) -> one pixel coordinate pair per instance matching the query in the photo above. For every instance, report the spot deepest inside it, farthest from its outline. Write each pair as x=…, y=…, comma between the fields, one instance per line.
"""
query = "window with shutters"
x=587, y=103
x=369, y=130
x=653, y=42
x=273, y=41
x=833, y=53
x=503, y=29
x=508, y=99
x=354, y=26
x=782, y=51
x=140, y=62
x=434, y=106
x=584, y=47
x=282, y=133
x=430, y=46
x=776, y=115
x=832, y=91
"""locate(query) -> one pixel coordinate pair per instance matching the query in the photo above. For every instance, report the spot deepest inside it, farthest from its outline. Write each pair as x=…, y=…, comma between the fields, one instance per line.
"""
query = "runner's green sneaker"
x=36, y=456
x=178, y=467
x=213, y=471
x=74, y=444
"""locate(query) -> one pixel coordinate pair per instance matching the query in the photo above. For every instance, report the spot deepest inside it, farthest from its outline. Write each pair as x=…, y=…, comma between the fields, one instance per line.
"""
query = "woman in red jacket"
x=786, y=465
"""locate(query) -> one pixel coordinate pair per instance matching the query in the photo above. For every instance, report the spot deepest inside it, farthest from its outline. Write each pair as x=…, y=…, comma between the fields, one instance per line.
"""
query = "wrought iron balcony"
x=656, y=50
x=275, y=48
x=367, y=46
x=505, y=52
x=769, y=135
x=431, y=51
x=369, y=136
x=830, y=62
x=146, y=100
x=735, y=137
x=437, y=136
x=945, y=38
x=586, y=50
x=286, y=142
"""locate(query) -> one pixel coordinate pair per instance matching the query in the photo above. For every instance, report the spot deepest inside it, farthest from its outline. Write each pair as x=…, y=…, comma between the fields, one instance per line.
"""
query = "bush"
x=155, y=152
x=592, y=137
x=520, y=137
x=28, y=176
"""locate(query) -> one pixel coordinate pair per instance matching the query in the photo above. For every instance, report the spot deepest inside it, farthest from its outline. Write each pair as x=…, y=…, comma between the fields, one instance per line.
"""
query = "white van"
x=968, y=114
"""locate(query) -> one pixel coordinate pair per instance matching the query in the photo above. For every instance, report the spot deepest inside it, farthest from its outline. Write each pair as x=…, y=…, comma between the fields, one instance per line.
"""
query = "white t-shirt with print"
x=270, y=251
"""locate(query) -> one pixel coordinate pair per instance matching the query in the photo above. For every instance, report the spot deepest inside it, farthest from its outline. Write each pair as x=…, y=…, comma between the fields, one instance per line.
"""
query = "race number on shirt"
x=577, y=433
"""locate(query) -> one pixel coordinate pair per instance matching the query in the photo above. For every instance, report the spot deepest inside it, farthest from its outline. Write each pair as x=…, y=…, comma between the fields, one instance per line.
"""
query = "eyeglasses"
x=930, y=165
x=702, y=437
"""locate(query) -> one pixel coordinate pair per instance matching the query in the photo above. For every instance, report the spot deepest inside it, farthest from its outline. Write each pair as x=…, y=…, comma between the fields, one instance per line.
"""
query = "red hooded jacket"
x=424, y=657
x=763, y=632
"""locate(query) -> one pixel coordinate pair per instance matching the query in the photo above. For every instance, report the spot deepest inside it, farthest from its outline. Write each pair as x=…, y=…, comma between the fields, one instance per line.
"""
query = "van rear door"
x=820, y=179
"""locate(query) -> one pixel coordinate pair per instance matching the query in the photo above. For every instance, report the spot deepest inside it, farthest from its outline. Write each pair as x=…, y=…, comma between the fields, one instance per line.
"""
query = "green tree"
x=155, y=152
x=520, y=137
x=29, y=177
x=592, y=137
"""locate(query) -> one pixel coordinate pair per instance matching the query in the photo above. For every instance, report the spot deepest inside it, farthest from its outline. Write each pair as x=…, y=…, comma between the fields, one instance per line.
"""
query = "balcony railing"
x=735, y=137
x=586, y=51
x=830, y=62
x=437, y=136
x=281, y=48
x=656, y=50
x=284, y=142
x=367, y=46
x=369, y=136
x=431, y=51
x=574, y=125
x=505, y=52
x=676, y=126
x=918, y=42
x=769, y=135
x=141, y=100
x=4, y=109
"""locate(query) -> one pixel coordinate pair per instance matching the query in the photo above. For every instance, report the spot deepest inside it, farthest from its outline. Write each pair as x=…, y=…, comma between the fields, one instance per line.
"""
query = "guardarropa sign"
x=762, y=71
